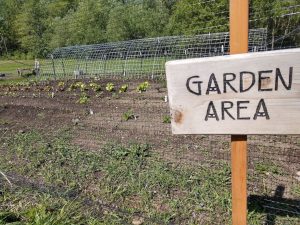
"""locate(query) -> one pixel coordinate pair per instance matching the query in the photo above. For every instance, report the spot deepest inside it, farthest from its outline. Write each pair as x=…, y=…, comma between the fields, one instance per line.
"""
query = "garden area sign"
x=253, y=93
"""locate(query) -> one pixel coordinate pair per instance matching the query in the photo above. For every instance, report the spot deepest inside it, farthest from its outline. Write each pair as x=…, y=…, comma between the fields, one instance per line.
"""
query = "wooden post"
x=239, y=16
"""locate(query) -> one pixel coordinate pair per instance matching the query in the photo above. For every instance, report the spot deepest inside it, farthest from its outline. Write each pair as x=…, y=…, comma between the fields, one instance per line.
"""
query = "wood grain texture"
x=239, y=11
x=239, y=179
x=283, y=105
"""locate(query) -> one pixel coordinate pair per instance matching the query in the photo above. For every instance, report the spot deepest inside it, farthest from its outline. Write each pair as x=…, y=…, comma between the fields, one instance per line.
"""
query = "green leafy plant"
x=123, y=88
x=61, y=84
x=128, y=115
x=166, y=119
x=84, y=99
x=95, y=87
x=110, y=87
x=143, y=87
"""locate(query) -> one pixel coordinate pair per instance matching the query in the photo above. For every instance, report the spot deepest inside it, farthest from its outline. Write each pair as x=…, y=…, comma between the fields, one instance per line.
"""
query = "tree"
x=134, y=21
x=31, y=26
x=195, y=17
x=86, y=25
x=279, y=18
x=8, y=38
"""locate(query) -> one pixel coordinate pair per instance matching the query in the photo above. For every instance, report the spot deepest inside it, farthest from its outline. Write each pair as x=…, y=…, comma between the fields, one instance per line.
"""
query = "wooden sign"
x=253, y=93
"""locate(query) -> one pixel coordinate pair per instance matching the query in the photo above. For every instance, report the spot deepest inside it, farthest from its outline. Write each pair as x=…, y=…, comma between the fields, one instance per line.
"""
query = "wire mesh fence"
x=140, y=58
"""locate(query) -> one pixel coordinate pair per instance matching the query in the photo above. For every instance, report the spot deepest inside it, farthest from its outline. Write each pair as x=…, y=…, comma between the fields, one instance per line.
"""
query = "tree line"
x=33, y=28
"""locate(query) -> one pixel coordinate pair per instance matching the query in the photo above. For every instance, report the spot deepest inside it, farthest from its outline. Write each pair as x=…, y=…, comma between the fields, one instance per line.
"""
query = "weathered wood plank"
x=253, y=93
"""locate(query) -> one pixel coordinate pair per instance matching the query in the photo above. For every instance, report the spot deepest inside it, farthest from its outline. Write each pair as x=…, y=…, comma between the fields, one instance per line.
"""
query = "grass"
x=69, y=182
x=10, y=67
x=55, y=182
x=66, y=67
x=267, y=167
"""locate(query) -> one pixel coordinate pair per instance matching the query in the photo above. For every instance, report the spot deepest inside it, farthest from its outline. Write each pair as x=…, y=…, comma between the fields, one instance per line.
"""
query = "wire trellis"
x=140, y=58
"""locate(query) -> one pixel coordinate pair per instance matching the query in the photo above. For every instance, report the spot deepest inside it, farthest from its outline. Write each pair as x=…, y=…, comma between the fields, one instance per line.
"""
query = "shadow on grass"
x=274, y=206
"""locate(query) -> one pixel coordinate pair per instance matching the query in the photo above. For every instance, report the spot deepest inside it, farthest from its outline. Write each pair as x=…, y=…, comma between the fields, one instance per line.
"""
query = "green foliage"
x=143, y=87
x=166, y=119
x=296, y=190
x=191, y=16
x=123, y=88
x=267, y=167
x=84, y=99
x=129, y=115
x=67, y=183
x=110, y=87
x=61, y=84
x=78, y=85
x=27, y=74
x=35, y=27
x=95, y=87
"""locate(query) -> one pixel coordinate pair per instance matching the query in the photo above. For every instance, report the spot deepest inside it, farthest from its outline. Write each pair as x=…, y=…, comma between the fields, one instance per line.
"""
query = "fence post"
x=63, y=67
x=53, y=66
x=86, y=65
x=239, y=44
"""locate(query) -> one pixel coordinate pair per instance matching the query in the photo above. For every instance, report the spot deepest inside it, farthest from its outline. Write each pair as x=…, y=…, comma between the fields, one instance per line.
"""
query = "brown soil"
x=48, y=108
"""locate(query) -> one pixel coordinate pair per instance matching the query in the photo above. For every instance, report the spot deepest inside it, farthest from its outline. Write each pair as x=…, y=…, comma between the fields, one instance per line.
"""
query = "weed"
x=296, y=190
x=128, y=115
x=143, y=87
x=166, y=119
x=115, y=96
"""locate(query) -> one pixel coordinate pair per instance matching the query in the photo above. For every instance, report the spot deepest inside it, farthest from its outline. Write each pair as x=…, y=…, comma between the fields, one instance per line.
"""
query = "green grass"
x=131, y=177
x=267, y=167
x=136, y=66
x=10, y=67
x=63, y=184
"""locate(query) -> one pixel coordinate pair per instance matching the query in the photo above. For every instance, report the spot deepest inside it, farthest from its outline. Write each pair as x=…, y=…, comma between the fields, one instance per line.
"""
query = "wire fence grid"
x=140, y=58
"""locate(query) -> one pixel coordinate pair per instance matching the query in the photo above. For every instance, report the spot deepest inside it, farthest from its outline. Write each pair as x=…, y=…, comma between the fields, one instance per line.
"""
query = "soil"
x=49, y=107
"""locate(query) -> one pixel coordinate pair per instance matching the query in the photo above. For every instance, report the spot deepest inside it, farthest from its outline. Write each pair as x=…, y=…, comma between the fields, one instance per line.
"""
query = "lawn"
x=10, y=67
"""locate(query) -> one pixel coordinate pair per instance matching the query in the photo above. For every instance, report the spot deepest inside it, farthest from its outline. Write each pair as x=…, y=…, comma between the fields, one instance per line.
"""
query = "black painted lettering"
x=242, y=88
x=279, y=76
x=261, y=110
x=212, y=85
x=226, y=108
x=198, y=92
x=239, y=107
x=211, y=112
x=261, y=78
x=226, y=81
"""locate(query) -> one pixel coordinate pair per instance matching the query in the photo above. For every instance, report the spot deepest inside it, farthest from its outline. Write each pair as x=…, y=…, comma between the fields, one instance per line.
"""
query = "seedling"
x=61, y=84
x=84, y=99
x=110, y=87
x=128, y=115
x=95, y=87
x=166, y=119
x=143, y=87
x=123, y=88
x=115, y=96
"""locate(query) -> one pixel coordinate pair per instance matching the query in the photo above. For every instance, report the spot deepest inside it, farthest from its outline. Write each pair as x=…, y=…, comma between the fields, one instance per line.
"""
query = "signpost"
x=254, y=93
